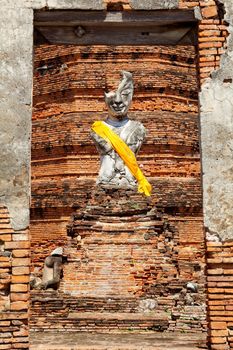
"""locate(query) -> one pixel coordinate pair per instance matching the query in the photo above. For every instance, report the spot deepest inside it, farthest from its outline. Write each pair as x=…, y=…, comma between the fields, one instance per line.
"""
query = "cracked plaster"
x=55, y=4
x=154, y=4
x=16, y=51
x=16, y=33
x=216, y=110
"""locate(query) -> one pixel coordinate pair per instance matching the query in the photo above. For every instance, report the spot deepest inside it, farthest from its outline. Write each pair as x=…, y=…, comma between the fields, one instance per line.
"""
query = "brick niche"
x=68, y=97
x=128, y=259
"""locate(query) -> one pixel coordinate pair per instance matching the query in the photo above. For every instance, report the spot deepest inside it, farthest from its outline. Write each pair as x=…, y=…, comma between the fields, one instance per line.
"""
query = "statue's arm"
x=137, y=138
x=57, y=268
x=103, y=146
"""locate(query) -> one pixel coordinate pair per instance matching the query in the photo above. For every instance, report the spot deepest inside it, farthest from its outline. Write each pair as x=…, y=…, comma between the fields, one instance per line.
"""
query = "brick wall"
x=212, y=42
x=212, y=30
x=220, y=294
x=212, y=34
x=14, y=290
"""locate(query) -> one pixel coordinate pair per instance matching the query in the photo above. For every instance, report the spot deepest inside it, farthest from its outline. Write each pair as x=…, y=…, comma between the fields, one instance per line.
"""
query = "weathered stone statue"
x=52, y=271
x=113, y=170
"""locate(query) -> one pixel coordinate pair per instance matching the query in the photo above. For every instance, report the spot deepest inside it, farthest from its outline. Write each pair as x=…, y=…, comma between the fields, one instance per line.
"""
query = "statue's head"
x=118, y=101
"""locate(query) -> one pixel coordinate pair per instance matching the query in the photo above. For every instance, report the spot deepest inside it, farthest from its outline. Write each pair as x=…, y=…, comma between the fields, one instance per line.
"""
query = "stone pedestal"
x=113, y=245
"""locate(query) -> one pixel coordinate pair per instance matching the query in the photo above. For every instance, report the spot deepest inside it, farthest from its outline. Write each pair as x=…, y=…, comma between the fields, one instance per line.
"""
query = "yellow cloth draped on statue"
x=125, y=153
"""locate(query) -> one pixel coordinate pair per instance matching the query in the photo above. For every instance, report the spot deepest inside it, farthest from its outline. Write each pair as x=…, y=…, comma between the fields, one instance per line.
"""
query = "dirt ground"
x=99, y=341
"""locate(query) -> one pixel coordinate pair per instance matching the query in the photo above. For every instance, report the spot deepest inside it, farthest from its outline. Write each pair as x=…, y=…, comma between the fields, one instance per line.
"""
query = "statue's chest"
x=124, y=132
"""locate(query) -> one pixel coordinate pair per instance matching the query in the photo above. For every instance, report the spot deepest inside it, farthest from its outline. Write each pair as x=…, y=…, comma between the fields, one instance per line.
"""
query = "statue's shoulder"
x=136, y=125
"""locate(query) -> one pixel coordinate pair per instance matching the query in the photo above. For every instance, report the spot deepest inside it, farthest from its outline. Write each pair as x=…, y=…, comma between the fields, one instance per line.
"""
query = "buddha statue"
x=114, y=172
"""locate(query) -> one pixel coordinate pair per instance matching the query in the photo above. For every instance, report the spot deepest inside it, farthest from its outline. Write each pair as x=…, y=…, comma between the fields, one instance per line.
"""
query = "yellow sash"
x=125, y=153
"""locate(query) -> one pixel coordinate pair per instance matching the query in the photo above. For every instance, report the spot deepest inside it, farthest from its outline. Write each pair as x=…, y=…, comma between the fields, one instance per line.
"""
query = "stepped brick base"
x=128, y=265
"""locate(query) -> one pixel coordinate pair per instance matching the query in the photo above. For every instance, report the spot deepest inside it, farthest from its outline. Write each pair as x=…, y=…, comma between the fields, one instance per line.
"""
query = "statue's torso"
x=113, y=171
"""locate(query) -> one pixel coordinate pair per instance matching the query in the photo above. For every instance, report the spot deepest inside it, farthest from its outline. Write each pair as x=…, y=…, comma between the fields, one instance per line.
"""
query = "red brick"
x=5, y=323
x=22, y=333
x=19, y=288
x=20, y=279
x=207, y=3
x=5, y=237
x=17, y=245
x=20, y=262
x=20, y=346
x=19, y=296
x=20, y=253
x=218, y=340
x=208, y=45
x=210, y=11
x=218, y=325
x=212, y=39
x=19, y=305
x=5, y=346
x=209, y=34
x=21, y=270
x=219, y=333
x=13, y=315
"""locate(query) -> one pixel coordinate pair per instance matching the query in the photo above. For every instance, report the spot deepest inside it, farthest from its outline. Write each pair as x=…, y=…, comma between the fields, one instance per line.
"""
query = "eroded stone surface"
x=154, y=4
x=55, y=4
x=113, y=170
x=217, y=148
x=76, y=4
x=216, y=142
x=15, y=112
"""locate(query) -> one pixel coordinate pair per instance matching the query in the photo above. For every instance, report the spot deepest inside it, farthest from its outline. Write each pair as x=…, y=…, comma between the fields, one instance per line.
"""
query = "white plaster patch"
x=35, y=4
x=16, y=33
x=154, y=4
x=216, y=100
x=54, y=4
x=76, y=4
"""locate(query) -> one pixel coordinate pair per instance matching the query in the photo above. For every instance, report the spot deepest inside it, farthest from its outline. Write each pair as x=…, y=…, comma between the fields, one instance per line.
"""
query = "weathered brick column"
x=14, y=288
